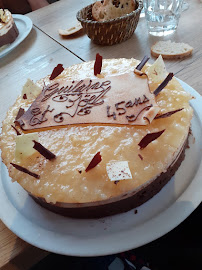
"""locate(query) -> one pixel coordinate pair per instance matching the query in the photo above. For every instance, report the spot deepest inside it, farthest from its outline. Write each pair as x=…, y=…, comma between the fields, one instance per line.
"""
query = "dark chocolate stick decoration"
x=98, y=64
x=94, y=162
x=116, y=182
x=22, y=169
x=163, y=84
x=56, y=71
x=43, y=151
x=168, y=114
x=142, y=63
x=18, y=133
x=140, y=156
x=150, y=137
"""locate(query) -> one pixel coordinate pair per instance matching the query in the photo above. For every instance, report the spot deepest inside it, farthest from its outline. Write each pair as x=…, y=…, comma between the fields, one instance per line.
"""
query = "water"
x=162, y=24
x=162, y=16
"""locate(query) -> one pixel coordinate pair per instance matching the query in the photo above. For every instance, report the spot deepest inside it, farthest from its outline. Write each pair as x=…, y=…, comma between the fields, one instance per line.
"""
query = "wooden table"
x=36, y=52
x=44, y=48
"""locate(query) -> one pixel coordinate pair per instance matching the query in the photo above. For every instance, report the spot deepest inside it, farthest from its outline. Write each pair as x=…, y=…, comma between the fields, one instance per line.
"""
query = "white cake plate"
x=24, y=25
x=173, y=204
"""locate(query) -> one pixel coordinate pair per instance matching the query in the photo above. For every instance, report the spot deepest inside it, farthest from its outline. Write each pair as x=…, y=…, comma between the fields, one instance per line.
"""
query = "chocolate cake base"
x=119, y=204
x=10, y=36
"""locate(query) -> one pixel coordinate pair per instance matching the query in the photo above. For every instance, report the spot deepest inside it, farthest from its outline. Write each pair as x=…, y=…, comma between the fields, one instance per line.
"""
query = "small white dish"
x=76, y=237
x=24, y=25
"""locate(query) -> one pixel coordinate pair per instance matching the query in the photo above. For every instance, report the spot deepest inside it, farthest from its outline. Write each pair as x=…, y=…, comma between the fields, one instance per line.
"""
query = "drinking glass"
x=162, y=16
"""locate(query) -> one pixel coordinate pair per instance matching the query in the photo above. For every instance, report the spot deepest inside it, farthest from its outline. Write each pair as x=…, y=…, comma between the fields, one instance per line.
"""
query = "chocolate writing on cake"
x=122, y=99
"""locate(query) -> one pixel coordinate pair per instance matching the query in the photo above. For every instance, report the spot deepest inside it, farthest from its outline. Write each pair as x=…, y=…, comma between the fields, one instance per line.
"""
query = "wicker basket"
x=112, y=31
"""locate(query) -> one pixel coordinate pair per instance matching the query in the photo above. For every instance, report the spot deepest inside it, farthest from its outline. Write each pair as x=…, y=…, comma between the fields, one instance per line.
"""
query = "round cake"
x=97, y=164
x=8, y=29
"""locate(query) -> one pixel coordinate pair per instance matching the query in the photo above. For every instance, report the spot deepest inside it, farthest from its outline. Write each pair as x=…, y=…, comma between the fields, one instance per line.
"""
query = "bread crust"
x=170, y=50
x=108, y=9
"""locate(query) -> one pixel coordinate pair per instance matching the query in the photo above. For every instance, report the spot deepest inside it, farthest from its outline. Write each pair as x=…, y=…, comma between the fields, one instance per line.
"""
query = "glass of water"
x=162, y=16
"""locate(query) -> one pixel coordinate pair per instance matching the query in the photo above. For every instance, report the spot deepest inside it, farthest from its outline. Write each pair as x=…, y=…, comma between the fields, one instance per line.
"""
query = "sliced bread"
x=111, y=9
x=71, y=31
x=171, y=50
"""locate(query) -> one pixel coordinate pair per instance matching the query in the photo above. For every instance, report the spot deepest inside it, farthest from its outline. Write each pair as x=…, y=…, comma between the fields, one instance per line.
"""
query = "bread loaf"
x=111, y=9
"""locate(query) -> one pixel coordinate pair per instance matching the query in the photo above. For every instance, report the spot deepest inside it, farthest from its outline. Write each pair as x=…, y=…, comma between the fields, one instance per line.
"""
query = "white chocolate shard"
x=24, y=146
x=30, y=89
x=157, y=72
x=118, y=170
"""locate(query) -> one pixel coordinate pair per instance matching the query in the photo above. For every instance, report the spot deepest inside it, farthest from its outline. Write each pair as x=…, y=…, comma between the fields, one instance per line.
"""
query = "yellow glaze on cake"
x=75, y=146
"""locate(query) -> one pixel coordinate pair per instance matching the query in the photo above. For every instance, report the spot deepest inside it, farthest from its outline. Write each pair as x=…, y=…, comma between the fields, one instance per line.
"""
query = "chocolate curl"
x=20, y=113
x=150, y=137
x=163, y=84
x=94, y=162
x=22, y=169
x=43, y=151
x=168, y=114
x=56, y=71
x=98, y=64
x=142, y=63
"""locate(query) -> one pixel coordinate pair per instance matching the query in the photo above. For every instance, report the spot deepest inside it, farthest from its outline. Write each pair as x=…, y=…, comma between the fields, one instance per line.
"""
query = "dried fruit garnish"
x=163, y=84
x=43, y=151
x=98, y=64
x=94, y=162
x=142, y=63
x=140, y=156
x=150, y=137
x=56, y=71
x=22, y=169
x=24, y=96
x=168, y=114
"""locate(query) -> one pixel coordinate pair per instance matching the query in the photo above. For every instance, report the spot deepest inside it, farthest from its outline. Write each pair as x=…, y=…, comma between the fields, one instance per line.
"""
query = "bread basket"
x=112, y=31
